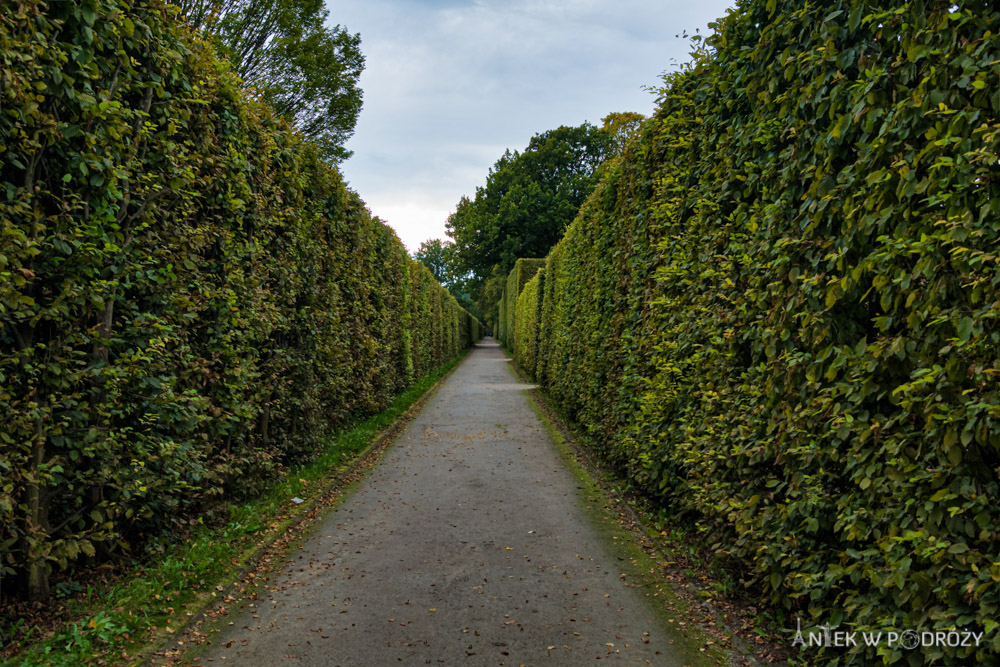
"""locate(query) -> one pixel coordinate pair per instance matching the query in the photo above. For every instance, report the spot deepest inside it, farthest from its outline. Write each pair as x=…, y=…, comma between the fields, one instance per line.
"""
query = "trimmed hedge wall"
x=189, y=299
x=779, y=313
x=526, y=323
x=518, y=277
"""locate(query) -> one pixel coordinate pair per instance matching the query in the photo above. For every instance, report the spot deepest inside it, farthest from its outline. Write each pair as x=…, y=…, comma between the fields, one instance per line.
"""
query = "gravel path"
x=466, y=545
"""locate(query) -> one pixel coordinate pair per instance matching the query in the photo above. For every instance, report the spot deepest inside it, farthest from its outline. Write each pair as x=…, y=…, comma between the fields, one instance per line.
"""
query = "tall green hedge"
x=779, y=313
x=518, y=277
x=189, y=299
x=526, y=323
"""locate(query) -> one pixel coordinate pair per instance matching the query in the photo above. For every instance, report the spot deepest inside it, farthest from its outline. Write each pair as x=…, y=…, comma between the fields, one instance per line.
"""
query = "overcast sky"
x=450, y=84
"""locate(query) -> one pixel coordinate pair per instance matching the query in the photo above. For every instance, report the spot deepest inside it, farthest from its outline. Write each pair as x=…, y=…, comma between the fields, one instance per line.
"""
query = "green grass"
x=134, y=617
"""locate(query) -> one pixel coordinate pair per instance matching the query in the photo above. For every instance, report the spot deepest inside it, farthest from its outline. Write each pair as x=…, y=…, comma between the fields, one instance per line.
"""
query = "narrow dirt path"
x=467, y=545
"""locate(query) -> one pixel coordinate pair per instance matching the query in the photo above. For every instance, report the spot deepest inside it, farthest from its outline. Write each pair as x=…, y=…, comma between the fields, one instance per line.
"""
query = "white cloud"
x=450, y=84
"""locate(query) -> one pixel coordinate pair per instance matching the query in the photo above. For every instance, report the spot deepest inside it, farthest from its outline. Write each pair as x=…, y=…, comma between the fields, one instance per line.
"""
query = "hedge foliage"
x=779, y=312
x=527, y=317
x=518, y=277
x=190, y=299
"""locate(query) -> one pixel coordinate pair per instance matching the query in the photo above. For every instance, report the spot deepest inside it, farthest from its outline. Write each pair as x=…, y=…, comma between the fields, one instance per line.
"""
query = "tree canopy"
x=528, y=200
x=439, y=257
x=282, y=48
x=622, y=126
x=435, y=254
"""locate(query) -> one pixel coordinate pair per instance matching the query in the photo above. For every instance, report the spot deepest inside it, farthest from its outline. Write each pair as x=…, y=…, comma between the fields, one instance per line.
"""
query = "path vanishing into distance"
x=466, y=545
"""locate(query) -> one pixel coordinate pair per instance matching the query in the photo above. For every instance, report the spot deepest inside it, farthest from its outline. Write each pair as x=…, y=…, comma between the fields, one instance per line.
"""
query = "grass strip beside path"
x=165, y=602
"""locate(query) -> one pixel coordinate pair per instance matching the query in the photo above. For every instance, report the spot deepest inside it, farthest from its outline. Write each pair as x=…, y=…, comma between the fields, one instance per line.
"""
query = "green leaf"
x=964, y=329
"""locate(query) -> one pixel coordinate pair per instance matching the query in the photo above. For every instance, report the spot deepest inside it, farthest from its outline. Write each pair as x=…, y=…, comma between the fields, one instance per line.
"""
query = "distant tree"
x=435, y=254
x=309, y=73
x=528, y=200
x=622, y=127
x=439, y=257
